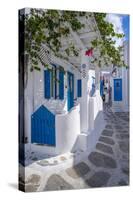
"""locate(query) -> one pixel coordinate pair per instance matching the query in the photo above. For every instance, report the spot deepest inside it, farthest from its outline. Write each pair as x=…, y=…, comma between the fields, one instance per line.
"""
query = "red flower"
x=89, y=52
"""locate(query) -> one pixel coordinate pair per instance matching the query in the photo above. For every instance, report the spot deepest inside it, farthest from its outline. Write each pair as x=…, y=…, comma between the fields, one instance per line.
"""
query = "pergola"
x=81, y=40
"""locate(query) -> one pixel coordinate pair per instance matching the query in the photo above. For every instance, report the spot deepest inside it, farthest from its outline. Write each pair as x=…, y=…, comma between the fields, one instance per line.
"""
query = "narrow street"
x=74, y=107
x=107, y=165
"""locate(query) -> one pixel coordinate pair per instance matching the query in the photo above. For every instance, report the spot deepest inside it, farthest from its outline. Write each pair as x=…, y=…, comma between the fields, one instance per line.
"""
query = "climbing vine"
x=108, y=51
x=50, y=26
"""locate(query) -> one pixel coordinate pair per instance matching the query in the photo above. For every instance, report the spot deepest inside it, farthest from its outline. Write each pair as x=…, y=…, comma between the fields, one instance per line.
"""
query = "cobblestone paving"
x=78, y=170
x=56, y=182
x=106, y=165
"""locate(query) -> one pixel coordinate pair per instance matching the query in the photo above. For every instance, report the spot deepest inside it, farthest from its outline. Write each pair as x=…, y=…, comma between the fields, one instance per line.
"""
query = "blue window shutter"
x=79, y=89
x=55, y=83
x=61, y=84
x=47, y=84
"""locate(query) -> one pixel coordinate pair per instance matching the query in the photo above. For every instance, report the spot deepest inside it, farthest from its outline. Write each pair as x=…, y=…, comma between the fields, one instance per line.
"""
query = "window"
x=52, y=84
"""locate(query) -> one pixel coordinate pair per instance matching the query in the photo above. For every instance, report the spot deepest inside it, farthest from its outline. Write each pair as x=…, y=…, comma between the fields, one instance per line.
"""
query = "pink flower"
x=89, y=52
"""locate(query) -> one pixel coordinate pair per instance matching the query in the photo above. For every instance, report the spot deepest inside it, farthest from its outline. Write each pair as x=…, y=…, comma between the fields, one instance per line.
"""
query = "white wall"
x=54, y=105
x=68, y=124
x=91, y=74
x=127, y=75
x=86, y=88
x=67, y=132
x=126, y=53
x=124, y=104
x=125, y=89
x=95, y=106
x=87, y=141
x=28, y=103
x=34, y=94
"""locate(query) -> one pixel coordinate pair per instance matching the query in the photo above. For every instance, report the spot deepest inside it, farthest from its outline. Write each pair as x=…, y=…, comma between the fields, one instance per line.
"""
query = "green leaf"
x=37, y=68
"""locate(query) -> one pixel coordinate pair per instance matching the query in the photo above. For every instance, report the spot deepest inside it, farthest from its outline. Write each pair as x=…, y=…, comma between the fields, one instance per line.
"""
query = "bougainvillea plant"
x=49, y=26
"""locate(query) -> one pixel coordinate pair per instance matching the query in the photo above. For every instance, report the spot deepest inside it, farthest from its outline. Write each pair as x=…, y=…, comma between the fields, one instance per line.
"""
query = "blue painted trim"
x=79, y=88
x=55, y=84
x=61, y=84
x=47, y=84
x=70, y=91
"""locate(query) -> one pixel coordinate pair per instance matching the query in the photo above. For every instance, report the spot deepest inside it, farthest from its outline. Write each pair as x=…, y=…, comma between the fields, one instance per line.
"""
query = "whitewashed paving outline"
x=116, y=122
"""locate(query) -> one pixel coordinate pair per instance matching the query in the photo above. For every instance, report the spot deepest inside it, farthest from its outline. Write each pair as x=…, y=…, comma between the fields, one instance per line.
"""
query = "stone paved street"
x=106, y=165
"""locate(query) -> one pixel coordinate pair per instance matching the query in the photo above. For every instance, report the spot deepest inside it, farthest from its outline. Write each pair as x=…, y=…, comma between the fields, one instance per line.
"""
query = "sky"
x=121, y=25
x=126, y=26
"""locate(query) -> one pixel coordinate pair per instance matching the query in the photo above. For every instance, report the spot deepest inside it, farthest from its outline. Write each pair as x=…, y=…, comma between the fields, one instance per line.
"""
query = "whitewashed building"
x=67, y=115
x=120, y=84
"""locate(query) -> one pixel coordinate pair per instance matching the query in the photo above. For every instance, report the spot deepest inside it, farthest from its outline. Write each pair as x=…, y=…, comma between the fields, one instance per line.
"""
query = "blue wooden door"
x=70, y=91
x=118, y=89
x=43, y=127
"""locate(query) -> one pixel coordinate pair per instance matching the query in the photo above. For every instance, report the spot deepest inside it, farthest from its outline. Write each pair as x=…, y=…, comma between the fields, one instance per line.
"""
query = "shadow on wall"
x=92, y=91
x=93, y=135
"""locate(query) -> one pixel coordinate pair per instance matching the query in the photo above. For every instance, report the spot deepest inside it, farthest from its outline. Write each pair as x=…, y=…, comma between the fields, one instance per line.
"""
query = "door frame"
x=70, y=90
x=118, y=96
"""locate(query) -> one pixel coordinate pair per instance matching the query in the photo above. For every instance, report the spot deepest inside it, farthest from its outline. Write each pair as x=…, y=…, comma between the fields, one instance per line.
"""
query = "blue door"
x=43, y=127
x=70, y=92
x=118, y=89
